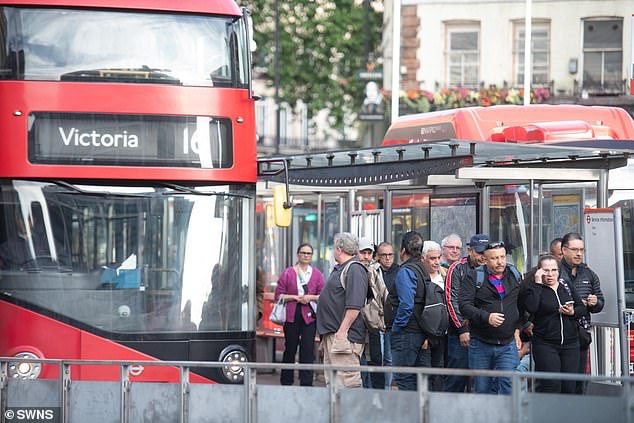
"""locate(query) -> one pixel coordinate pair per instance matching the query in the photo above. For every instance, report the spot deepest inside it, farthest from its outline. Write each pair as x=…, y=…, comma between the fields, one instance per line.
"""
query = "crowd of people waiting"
x=498, y=318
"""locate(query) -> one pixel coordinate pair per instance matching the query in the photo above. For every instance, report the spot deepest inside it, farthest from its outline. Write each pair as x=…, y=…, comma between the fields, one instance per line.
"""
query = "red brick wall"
x=409, y=45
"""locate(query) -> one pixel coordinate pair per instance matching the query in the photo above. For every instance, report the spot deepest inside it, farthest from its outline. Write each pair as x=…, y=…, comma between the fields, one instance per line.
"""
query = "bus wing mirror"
x=281, y=206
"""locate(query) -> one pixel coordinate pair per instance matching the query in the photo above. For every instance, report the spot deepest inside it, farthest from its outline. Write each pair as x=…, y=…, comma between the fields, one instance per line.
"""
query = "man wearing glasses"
x=581, y=278
x=458, y=333
x=491, y=305
x=374, y=380
x=388, y=270
x=451, y=249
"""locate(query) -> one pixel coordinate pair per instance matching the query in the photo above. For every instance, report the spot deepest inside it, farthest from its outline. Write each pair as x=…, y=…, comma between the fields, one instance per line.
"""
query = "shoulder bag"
x=278, y=313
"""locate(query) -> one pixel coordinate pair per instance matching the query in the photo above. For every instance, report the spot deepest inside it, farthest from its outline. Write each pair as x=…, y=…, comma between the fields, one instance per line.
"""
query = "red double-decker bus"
x=127, y=185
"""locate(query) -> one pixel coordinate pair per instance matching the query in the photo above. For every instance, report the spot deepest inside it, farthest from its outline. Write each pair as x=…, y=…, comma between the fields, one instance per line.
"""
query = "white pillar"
x=396, y=57
x=528, y=69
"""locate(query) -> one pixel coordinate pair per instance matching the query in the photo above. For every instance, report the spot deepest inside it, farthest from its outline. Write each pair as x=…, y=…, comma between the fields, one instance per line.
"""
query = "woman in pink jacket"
x=299, y=287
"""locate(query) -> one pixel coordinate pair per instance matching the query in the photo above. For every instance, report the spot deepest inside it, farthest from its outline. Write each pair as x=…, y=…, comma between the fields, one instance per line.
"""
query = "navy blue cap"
x=479, y=242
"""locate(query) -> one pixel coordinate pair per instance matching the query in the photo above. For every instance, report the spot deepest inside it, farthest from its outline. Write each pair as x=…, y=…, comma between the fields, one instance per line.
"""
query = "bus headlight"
x=25, y=370
x=233, y=357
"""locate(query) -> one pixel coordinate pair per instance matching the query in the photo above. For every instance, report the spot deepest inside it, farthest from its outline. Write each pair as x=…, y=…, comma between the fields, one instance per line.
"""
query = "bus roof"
x=520, y=124
x=219, y=7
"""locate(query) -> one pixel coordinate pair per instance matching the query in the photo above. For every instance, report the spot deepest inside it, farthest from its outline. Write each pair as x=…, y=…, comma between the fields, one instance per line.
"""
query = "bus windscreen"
x=120, y=46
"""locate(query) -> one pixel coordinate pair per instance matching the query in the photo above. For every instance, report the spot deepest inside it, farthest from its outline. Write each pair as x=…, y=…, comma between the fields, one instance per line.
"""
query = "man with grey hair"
x=451, y=249
x=339, y=322
x=431, y=262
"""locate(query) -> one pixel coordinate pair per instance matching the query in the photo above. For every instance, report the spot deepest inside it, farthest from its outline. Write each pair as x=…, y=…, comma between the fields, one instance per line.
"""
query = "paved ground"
x=274, y=379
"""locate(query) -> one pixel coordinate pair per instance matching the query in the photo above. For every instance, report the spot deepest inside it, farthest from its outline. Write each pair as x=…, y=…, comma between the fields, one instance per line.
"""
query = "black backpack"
x=434, y=317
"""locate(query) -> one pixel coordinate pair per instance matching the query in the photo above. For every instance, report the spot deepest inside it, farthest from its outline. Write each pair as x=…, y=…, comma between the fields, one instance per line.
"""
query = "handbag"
x=278, y=313
x=585, y=337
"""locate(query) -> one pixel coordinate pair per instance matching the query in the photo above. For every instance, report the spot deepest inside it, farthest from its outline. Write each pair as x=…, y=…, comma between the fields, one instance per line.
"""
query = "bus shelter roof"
x=413, y=162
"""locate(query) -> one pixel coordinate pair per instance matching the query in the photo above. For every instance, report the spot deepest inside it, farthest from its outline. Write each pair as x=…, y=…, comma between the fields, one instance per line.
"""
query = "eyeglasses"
x=575, y=250
x=306, y=253
x=494, y=245
x=386, y=255
x=452, y=247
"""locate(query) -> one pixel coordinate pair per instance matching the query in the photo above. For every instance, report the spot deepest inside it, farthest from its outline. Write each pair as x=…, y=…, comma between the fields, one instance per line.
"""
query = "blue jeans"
x=386, y=344
x=457, y=358
x=493, y=357
x=407, y=351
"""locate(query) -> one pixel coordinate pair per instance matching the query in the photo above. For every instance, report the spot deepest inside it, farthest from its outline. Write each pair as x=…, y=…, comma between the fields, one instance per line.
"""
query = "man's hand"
x=591, y=300
x=529, y=329
x=464, y=339
x=518, y=340
x=496, y=319
x=343, y=335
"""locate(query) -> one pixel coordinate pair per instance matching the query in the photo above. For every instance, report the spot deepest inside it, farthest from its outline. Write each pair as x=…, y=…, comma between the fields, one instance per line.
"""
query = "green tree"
x=321, y=51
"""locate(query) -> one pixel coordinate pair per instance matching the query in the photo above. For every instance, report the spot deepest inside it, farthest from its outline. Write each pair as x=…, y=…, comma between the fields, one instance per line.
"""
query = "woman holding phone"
x=555, y=308
x=299, y=287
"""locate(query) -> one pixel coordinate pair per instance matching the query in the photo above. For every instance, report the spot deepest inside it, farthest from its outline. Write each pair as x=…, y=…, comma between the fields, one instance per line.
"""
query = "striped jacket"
x=456, y=273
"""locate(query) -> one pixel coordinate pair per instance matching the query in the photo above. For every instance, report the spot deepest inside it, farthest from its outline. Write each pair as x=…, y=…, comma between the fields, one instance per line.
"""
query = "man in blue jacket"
x=409, y=346
x=491, y=305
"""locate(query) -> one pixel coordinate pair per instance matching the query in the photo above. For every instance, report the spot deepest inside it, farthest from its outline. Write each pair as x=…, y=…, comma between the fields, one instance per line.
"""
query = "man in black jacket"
x=578, y=275
x=458, y=333
x=388, y=270
x=489, y=299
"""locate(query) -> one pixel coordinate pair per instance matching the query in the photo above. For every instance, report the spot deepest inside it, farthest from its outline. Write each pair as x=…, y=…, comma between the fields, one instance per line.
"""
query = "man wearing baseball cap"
x=372, y=351
x=458, y=333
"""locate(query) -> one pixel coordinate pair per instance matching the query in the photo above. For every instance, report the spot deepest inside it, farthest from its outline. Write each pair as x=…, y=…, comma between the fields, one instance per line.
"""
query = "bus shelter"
x=521, y=194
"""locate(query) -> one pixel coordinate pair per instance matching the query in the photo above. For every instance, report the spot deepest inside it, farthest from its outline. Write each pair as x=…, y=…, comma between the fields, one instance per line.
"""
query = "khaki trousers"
x=347, y=354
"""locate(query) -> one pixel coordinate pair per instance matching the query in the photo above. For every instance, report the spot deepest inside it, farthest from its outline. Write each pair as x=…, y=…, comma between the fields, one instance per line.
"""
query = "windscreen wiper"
x=194, y=191
x=76, y=189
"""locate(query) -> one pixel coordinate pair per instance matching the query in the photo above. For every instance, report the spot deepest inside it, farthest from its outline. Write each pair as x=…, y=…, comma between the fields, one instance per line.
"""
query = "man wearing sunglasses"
x=491, y=305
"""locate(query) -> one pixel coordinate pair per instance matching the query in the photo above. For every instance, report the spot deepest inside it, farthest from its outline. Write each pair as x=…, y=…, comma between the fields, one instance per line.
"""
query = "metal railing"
x=188, y=402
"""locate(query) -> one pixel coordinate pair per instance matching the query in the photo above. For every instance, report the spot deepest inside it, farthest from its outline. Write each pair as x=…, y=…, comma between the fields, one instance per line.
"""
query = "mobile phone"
x=569, y=302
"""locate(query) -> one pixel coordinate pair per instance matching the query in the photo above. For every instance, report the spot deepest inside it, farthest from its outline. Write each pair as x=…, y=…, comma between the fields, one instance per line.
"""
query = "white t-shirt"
x=438, y=280
x=302, y=279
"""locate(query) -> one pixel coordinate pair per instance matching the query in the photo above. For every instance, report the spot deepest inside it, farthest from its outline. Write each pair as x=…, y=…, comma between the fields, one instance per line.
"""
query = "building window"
x=603, y=56
x=540, y=53
x=463, y=57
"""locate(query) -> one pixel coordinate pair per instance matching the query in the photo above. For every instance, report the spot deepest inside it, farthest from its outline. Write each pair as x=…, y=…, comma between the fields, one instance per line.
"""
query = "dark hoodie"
x=551, y=326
